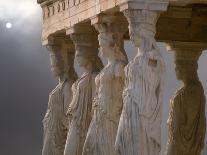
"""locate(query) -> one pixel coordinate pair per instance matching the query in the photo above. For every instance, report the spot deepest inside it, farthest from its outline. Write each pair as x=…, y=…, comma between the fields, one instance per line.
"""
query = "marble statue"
x=83, y=93
x=108, y=102
x=139, y=131
x=56, y=121
x=187, y=123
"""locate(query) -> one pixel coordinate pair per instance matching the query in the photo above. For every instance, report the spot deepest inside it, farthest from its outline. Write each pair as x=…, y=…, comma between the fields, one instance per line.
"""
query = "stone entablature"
x=60, y=15
x=63, y=14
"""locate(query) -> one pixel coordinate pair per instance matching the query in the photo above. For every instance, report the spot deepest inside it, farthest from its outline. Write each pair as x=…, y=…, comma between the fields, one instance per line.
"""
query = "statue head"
x=140, y=32
x=186, y=60
x=142, y=25
x=62, y=61
x=106, y=44
x=112, y=46
x=88, y=56
x=186, y=70
x=57, y=62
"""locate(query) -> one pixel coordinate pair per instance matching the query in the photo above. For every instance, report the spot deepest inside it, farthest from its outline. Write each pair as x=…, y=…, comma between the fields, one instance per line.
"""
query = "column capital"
x=142, y=24
x=56, y=43
x=109, y=23
x=83, y=35
x=80, y=29
x=111, y=30
x=154, y=5
x=142, y=16
x=187, y=50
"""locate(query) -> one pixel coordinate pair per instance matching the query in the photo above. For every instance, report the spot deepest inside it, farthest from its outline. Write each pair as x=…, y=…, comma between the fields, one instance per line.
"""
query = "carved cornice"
x=154, y=5
x=51, y=8
x=59, y=15
x=46, y=2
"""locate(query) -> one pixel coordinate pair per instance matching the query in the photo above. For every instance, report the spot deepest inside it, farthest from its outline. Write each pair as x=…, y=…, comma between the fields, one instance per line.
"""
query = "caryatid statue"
x=187, y=122
x=83, y=92
x=56, y=121
x=139, y=131
x=108, y=101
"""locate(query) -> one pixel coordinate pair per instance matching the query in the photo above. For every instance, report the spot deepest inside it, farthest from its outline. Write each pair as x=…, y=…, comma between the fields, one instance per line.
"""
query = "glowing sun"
x=8, y=25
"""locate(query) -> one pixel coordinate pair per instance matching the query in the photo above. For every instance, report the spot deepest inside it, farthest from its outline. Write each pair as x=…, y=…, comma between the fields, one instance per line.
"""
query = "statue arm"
x=95, y=88
x=72, y=103
x=120, y=80
x=67, y=96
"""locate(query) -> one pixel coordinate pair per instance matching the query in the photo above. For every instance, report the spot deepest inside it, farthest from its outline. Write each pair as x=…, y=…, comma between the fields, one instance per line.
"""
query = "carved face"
x=57, y=62
x=134, y=34
x=82, y=58
x=105, y=47
x=186, y=70
x=180, y=70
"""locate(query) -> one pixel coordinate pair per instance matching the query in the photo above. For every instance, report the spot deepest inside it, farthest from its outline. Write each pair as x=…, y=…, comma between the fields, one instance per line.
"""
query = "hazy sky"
x=26, y=80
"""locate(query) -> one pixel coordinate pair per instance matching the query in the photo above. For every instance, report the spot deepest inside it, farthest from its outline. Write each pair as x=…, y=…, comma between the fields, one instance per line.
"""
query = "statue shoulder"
x=192, y=93
x=194, y=90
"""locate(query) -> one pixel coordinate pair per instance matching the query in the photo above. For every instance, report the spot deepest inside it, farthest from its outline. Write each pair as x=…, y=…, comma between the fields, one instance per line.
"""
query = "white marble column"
x=108, y=102
x=85, y=40
x=139, y=130
x=56, y=121
x=187, y=122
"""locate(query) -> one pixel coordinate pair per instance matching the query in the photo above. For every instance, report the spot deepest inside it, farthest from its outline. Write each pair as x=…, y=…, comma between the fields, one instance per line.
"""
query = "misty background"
x=26, y=79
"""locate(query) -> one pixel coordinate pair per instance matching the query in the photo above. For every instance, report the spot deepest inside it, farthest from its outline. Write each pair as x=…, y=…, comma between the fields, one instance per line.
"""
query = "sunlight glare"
x=8, y=25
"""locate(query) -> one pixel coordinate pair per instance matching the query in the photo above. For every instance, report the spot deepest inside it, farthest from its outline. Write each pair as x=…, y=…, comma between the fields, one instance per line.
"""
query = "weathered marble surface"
x=109, y=87
x=56, y=121
x=187, y=122
x=139, y=130
x=83, y=94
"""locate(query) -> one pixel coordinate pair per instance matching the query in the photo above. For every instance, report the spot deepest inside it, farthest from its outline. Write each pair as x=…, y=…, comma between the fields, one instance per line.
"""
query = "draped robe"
x=83, y=93
x=187, y=124
x=56, y=122
x=107, y=109
x=139, y=131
